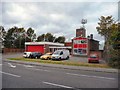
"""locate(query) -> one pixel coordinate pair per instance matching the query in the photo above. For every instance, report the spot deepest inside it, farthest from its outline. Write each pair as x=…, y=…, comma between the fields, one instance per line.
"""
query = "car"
x=46, y=56
x=93, y=58
x=26, y=54
x=35, y=55
x=60, y=55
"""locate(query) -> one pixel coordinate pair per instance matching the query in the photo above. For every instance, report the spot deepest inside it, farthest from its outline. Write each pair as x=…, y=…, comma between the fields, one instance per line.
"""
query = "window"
x=61, y=53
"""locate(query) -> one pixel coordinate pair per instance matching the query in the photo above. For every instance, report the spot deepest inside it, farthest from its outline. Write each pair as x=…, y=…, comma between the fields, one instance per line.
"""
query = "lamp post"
x=84, y=21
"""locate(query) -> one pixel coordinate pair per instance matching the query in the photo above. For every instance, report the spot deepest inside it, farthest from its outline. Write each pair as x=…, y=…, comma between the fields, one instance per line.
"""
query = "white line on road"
x=57, y=85
x=10, y=74
x=90, y=76
x=40, y=70
x=13, y=66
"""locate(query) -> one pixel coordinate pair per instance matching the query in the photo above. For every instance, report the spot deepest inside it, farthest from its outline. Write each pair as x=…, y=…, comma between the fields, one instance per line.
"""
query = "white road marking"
x=42, y=70
x=0, y=64
x=39, y=69
x=90, y=76
x=57, y=85
x=10, y=74
x=13, y=66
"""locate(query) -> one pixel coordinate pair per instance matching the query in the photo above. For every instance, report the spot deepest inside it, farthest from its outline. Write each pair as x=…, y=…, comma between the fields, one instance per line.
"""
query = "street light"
x=84, y=21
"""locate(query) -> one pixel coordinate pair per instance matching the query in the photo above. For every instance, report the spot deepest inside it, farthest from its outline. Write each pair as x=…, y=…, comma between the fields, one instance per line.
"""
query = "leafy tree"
x=104, y=29
x=60, y=39
x=49, y=37
x=30, y=34
x=115, y=42
x=2, y=32
x=111, y=31
x=40, y=38
x=115, y=36
x=46, y=37
x=9, y=38
x=14, y=35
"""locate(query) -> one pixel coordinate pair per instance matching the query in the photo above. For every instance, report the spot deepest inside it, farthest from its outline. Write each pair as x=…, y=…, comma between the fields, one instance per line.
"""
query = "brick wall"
x=12, y=50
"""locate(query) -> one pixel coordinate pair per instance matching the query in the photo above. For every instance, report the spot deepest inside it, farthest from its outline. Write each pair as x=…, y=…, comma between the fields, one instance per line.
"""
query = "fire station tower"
x=81, y=32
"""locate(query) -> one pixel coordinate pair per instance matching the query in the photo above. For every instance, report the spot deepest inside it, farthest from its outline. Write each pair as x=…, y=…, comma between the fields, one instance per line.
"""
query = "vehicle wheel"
x=30, y=56
x=36, y=57
x=59, y=58
x=67, y=57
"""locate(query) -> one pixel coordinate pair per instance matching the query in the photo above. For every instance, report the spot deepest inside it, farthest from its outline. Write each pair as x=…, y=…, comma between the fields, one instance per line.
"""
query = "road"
x=26, y=76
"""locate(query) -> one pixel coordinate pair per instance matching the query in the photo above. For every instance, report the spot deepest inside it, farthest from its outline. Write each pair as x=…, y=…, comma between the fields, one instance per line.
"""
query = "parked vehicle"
x=35, y=55
x=60, y=54
x=46, y=56
x=93, y=58
x=26, y=54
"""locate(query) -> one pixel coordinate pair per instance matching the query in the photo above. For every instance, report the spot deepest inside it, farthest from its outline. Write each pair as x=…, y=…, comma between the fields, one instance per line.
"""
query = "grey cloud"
x=38, y=14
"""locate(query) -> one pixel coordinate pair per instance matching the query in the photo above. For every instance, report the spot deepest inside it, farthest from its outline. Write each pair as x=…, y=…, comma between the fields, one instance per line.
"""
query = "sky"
x=60, y=18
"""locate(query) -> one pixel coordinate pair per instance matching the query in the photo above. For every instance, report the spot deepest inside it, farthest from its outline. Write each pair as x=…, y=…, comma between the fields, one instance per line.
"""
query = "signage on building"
x=80, y=46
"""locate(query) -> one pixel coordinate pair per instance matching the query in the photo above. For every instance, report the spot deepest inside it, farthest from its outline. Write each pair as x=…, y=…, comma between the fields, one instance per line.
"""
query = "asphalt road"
x=26, y=76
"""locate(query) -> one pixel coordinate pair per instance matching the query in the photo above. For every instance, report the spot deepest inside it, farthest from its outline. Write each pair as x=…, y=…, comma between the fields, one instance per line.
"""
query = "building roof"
x=61, y=47
x=80, y=37
x=93, y=40
x=43, y=43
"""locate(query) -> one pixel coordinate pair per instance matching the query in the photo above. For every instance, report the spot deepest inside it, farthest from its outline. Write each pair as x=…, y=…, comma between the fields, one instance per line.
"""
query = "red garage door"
x=35, y=48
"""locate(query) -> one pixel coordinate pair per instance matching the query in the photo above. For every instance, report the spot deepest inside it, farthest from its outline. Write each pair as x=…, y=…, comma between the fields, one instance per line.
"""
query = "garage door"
x=35, y=48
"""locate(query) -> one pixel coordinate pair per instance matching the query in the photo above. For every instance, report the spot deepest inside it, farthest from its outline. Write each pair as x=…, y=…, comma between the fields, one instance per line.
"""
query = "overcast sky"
x=58, y=18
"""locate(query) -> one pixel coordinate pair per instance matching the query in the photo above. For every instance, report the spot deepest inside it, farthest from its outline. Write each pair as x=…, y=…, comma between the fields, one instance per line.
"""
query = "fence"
x=12, y=50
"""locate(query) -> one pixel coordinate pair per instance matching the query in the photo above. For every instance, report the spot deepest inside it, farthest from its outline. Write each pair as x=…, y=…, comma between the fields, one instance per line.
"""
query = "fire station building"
x=80, y=45
x=44, y=47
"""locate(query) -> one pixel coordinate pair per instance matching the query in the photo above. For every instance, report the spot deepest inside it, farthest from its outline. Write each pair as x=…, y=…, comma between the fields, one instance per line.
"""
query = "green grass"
x=71, y=63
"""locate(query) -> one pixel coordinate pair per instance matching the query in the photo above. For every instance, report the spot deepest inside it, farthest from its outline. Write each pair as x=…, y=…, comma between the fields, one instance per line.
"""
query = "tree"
x=49, y=37
x=30, y=34
x=111, y=31
x=115, y=43
x=9, y=38
x=115, y=36
x=104, y=29
x=40, y=38
x=14, y=35
x=60, y=39
x=2, y=32
x=46, y=37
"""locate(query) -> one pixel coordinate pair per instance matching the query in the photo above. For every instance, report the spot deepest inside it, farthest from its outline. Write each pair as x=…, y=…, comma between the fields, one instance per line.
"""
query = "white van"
x=60, y=54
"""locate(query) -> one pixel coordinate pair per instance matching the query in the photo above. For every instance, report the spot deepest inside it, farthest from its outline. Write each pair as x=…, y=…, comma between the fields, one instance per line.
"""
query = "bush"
x=114, y=60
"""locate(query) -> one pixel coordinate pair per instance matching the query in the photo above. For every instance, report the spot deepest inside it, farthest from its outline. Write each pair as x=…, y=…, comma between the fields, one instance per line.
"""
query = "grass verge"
x=62, y=62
